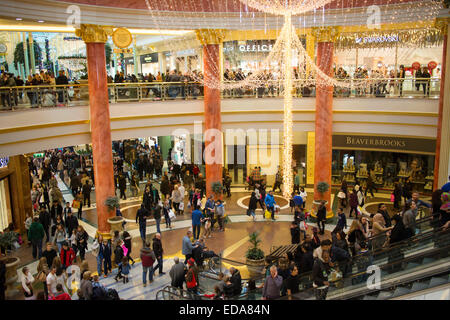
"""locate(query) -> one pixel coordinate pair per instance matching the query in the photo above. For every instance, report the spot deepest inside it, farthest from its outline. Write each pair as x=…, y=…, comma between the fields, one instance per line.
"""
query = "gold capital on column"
x=94, y=33
x=210, y=36
x=441, y=24
x=326, y=34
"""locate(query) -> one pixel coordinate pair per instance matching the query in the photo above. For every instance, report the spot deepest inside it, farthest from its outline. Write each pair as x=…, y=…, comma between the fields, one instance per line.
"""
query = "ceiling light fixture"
x=19, y=19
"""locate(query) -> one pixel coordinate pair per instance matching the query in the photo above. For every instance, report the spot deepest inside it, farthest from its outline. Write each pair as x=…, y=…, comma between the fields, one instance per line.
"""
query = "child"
x=207, y=221
x=124, y=270
x=73, y=242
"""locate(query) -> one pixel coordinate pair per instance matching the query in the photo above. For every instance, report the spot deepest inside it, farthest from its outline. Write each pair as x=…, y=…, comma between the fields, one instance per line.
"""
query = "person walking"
x=71, y=223
x=196, y=222
x=36, y=236
x=87, y=188
x=148, y=258
x=166, y=209
x=353, y=201
x=220, y=213
x=272, y=285
x=128, y=244
x=158, y=250
x=122, y=182
x=141, y=219
x=81, y=238
x=45, y=220
x=27, y=284
x=157, y=215
x=321, y=216
x=67, y=255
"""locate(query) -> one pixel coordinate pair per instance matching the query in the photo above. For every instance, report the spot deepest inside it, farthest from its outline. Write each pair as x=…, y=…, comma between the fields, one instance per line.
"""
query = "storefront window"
x=384, y=168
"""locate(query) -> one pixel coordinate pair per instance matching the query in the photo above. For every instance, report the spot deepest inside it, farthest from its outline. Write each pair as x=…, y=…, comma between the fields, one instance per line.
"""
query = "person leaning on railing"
x=61, y=80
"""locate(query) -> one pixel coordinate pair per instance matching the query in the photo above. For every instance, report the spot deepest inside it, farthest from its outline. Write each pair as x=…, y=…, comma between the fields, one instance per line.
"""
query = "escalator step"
x=428, y=260
x=369, y=298
x=418, y=286
x=437, y=281
x=400, y=291
x=412, y=265
x=383, y=295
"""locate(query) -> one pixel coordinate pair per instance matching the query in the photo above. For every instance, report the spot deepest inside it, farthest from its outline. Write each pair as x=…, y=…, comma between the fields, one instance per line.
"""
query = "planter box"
x=116, y=223
x=11, y=276
x=255, y=267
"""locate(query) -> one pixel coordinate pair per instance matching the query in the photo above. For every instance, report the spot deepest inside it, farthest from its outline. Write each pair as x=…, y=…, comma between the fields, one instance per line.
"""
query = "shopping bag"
x=248, y=212
x=392, y=197
x=76, y=204
x=172, y=215
x=341, y=195
x=268, y=214
x=181, y=207
x=359, y=210
x=303, y=225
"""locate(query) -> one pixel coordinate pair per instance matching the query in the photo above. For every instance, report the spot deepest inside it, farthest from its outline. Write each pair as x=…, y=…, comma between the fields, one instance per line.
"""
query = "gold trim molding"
x=210, y=36
x=326, y=34
x=94, y=33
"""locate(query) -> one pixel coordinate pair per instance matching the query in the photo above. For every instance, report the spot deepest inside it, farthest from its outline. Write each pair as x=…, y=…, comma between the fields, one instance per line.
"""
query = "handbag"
x=76, y=204
x=42, y=277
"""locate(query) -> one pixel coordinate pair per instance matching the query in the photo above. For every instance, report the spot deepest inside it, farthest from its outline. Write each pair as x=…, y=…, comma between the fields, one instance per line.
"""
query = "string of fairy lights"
x=299, y=17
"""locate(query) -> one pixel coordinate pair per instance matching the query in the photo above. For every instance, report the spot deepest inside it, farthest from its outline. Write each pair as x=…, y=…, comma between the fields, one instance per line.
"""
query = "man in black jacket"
x=71, y=223
x=141, y=219
x=87, y=193
x=61, y=80
x=236, y=280
x=122, y=182
x=44, y=219
x=56, y=210
x=321, y=217
x=158, y=249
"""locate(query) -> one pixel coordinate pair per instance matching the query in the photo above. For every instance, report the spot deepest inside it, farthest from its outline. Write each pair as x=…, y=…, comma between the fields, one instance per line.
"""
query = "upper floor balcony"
x=60, y=114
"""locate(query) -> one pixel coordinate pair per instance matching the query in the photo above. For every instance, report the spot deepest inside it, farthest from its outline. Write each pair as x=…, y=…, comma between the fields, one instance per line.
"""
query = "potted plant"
x=321, y=187
x=217, y=188
x=254, y=255
x=7, y=241
x=116, y=222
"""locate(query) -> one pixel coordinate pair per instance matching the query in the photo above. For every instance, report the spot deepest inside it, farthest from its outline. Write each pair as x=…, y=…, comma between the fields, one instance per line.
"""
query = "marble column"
x=441, y=164
x=21, y=195
x=324, y=114
x=211, y=40
x=95, y=38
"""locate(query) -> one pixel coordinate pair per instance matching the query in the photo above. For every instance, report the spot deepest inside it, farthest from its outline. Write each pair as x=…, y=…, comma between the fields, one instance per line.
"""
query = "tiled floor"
x=232, y=243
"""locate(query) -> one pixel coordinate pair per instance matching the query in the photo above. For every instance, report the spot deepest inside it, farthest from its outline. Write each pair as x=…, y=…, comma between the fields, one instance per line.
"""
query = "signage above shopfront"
x=378, y=39
x=416, y=65
x=381, y=143
x=149, y=58
x=249, y=46
x=129, y=60
x=256, y=48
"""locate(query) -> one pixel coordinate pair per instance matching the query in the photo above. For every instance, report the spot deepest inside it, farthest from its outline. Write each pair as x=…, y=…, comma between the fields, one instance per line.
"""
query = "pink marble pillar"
x=100, y=131
x=211, y=62
x=324, y=122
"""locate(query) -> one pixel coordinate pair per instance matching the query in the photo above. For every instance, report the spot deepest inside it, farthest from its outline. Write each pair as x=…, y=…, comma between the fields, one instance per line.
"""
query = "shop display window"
x=384, y=168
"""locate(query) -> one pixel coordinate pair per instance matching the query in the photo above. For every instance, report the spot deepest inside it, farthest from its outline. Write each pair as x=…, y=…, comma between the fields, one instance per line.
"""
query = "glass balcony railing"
x=16, y=98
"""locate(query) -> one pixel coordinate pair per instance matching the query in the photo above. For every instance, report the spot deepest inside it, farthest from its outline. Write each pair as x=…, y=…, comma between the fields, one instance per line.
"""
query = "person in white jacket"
x=27, y=281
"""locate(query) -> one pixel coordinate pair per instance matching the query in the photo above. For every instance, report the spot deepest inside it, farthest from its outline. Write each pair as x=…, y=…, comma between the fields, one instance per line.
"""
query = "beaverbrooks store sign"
x=380, y=143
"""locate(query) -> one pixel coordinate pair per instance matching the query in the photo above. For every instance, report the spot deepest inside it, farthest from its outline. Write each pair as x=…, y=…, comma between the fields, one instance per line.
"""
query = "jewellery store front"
x=386, y=159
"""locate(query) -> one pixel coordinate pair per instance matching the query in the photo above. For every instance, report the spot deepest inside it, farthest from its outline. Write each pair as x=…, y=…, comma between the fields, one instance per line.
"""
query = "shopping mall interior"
x=230, y=150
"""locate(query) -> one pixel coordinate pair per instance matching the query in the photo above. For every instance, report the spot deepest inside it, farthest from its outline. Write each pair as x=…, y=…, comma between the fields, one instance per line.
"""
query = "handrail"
x=142, y=83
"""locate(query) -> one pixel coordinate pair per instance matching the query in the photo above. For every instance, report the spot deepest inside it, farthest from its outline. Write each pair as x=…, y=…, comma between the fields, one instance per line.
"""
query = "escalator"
x=419, y=263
